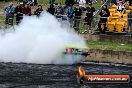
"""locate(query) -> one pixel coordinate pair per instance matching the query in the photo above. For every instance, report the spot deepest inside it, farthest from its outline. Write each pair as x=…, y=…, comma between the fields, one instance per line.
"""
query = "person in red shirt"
x=27, y=10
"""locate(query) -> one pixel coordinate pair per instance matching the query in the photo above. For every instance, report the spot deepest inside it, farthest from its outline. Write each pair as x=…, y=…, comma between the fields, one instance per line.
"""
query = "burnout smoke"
x=38, y=40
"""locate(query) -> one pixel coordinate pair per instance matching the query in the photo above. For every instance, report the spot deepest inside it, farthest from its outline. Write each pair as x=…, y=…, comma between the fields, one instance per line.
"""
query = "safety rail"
x=82, y=23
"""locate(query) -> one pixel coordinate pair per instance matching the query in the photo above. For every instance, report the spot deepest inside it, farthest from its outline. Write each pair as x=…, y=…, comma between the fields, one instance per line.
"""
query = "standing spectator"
x=121, y=7
x=19, y=13
x=102, y=23
x=106, y=9
x=126, y=6
x=27, y=10
x=68, y=3
x=59, y=12
x=38, y=11
x=69, y=13
x=77, y=13
x=9, y=11
x=82, y=4
x=51, y=9
x=130, y=21
x=89, y=16
x=22, y=6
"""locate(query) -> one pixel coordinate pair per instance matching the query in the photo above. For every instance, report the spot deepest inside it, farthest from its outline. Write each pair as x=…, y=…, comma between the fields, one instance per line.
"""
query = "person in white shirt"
x=121, y=7
x=82, y=4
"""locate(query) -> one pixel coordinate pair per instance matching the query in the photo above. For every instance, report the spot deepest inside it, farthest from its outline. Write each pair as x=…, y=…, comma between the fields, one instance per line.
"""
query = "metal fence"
x=79, y=25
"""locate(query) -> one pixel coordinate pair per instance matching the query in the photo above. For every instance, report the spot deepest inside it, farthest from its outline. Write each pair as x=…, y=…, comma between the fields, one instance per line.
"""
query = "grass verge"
x=109, y=46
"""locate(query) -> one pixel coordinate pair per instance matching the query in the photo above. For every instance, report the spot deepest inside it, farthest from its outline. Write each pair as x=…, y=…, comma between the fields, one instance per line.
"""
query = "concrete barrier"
x=110, y=56
x=109, y=38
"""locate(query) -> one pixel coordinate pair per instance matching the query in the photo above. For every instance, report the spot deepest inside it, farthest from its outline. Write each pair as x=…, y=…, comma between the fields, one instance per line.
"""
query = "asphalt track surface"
x=22, y=75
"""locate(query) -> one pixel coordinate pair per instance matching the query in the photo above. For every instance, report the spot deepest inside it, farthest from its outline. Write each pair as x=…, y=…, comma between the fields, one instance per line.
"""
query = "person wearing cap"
x=9, y=12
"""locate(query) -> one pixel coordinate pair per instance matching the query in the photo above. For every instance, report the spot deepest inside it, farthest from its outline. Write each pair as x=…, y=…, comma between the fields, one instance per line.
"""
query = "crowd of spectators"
x=69, y=12
x=116, y=2
x=19, y=10
x=123, y=6
x=74, y=14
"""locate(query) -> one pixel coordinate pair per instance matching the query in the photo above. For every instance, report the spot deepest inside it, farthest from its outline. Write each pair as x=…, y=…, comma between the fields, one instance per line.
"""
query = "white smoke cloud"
x=38, y=40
